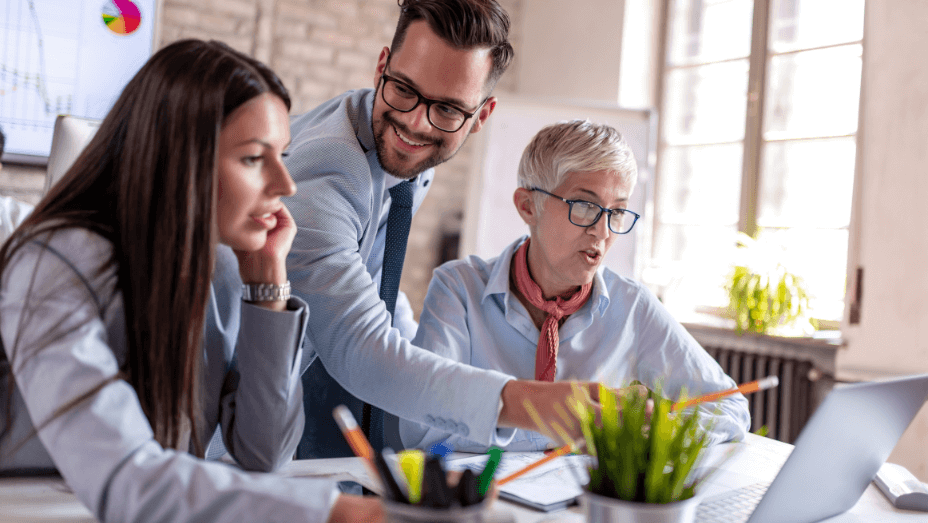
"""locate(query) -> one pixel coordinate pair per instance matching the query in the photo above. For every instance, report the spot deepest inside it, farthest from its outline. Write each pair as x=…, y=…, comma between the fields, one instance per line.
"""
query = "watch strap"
x=265, y=292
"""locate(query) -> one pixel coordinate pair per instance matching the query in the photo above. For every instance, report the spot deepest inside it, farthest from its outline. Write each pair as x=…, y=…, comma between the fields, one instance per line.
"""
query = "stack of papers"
x=553, y=486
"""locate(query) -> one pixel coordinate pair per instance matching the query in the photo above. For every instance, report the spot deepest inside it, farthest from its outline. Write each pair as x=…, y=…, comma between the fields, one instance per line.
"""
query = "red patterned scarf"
x=546, y=353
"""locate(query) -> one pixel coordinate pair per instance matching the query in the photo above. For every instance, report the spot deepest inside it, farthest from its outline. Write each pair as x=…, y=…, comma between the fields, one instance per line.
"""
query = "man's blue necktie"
x=394, y=253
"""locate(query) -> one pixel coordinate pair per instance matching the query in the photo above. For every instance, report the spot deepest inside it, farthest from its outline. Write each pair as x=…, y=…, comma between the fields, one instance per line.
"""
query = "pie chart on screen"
x=121, y=16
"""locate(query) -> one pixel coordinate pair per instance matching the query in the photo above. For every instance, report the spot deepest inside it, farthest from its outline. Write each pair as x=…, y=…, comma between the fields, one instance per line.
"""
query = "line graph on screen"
x=65, y=57
x=29, y=97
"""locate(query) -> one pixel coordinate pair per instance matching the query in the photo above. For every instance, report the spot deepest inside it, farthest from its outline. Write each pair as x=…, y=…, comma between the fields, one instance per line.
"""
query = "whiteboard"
x=70, y=57
x=490, y=218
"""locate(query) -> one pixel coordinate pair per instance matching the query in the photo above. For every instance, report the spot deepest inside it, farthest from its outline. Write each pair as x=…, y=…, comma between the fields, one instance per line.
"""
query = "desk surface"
x=36, y=500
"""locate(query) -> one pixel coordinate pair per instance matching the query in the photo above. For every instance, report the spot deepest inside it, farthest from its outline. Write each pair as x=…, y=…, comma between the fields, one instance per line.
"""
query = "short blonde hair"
x=575, y=146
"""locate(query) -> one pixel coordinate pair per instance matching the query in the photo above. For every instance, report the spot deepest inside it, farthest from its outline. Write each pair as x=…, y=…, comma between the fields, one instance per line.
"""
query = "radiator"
x=805, y=367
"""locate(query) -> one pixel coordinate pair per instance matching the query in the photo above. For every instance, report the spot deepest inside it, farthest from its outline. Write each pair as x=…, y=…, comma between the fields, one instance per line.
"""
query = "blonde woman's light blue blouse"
x=622, y=333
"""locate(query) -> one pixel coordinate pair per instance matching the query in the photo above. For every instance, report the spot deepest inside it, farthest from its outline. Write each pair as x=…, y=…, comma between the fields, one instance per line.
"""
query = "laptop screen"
x=840, y=450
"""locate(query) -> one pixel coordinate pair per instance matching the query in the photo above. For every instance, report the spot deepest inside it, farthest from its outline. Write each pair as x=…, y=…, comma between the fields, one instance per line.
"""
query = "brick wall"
x=319, y=48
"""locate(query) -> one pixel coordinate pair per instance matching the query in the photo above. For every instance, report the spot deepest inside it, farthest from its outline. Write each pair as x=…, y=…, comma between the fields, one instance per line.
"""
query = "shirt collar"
x=389, y=181
x=498, y=282
x=366, y=131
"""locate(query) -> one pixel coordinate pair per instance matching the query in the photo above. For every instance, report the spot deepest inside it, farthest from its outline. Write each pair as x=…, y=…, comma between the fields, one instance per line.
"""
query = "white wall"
x=892, y=232
x=571, y=50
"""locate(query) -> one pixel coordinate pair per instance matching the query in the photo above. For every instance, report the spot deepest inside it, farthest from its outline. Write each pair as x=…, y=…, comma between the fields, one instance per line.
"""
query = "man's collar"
x=389, y=180
x=366, y=124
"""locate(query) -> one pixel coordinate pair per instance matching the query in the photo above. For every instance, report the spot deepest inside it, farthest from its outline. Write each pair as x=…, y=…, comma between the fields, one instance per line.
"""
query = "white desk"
x=35, y=500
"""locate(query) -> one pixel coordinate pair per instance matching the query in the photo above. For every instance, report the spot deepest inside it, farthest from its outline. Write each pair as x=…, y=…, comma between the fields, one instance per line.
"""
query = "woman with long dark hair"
x=145, y=314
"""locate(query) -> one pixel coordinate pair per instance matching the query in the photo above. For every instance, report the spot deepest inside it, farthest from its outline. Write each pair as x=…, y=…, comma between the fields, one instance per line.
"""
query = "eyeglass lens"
x=404, y=98
x=585, y=214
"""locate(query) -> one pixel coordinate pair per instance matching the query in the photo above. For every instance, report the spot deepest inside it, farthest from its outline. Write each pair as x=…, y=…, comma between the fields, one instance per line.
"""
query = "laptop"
x=837, y=454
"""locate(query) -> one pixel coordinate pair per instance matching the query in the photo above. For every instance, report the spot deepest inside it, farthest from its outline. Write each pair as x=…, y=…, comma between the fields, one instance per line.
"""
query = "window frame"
x=753, y=141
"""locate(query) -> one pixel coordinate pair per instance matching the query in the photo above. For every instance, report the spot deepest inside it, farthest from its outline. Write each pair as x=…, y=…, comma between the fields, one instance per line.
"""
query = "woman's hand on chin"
x=269, y=263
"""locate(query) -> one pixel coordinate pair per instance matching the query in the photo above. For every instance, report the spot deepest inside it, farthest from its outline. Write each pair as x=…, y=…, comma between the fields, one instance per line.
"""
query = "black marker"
x=467, y=489
x=435, y=490
x=394, y=491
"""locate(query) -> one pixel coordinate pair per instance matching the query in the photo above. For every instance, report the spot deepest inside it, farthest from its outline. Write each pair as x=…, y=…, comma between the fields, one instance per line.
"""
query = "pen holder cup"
x=403, y=513
x=602, y=509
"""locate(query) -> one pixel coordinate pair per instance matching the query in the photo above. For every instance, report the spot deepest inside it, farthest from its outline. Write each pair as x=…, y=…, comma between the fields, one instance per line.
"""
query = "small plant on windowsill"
x=641, y=464
x=764, y=296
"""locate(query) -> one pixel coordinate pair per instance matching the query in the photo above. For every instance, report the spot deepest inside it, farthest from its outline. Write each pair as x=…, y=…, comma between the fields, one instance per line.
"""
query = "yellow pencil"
x=767, y=383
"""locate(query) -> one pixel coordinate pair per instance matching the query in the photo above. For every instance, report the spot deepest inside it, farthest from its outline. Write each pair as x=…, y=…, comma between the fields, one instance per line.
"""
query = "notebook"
x=553, y=486
x=836, y=456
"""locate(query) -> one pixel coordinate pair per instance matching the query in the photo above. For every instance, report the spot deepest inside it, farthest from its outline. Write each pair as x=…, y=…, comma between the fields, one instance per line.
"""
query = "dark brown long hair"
x=147, y=183
x=464, y=24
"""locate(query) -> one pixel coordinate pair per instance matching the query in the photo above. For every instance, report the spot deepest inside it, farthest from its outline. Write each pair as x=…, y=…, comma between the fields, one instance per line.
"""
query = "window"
x=759, y=112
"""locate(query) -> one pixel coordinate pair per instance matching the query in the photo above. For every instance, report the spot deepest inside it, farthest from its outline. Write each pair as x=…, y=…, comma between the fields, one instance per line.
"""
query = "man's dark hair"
x=465, y=24
x=2, y=141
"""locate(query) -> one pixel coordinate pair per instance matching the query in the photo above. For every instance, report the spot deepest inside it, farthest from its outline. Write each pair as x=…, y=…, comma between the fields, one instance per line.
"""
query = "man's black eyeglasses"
x=584, y=214
x=442, y=115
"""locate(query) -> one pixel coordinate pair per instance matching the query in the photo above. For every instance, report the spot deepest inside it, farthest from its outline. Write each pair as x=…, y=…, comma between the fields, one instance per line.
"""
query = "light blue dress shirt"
x=622, y=333
x=63, y=329
x=341, y=209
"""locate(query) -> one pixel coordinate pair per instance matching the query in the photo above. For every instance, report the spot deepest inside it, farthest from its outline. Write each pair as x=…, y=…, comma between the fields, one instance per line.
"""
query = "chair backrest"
x=12, y=213
x=71, y=135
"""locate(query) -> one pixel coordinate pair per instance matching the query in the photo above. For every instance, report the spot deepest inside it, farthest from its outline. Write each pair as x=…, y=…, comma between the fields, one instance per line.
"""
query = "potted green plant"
x=642, y=463
x=764, y=296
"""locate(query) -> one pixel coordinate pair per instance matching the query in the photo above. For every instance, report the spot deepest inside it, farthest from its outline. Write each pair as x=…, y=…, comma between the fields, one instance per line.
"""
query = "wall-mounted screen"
x=65, y=57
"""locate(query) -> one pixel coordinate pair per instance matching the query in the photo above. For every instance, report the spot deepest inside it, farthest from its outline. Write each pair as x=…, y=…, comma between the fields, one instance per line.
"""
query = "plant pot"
x=403, y=513
x=601, y=509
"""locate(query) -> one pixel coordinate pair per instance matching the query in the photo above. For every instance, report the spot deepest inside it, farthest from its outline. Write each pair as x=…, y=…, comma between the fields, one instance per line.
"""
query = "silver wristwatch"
x=265, y=292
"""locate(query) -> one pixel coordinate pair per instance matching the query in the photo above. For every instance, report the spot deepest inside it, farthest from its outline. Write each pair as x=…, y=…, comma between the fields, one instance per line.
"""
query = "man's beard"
x=393, y=165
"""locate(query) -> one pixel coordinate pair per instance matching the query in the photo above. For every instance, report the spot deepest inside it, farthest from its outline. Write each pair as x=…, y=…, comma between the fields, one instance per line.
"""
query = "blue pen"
x=441, y=449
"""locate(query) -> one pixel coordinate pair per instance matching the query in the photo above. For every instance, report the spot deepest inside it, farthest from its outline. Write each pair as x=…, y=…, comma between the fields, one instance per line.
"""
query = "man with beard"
x=363, y=162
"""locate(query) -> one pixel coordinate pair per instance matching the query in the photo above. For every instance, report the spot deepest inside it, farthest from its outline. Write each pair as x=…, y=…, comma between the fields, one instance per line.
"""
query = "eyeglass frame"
x=384, y=77
x=602, y=210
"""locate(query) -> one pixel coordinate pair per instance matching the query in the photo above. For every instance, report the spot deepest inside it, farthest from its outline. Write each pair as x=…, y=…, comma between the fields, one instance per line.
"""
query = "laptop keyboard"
x=731, y=507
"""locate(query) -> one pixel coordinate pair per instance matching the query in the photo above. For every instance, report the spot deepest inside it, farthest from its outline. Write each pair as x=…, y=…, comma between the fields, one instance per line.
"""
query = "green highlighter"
x=483, y=481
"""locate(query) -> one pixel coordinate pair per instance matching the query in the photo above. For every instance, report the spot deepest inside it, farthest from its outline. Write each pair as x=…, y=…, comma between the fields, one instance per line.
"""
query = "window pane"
x=700, y=185
x=820, y=258
x=698, y=260
x=813, y=93
x=709, y=30
x=706, y=104
x=801, y=24
x=807, y=184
